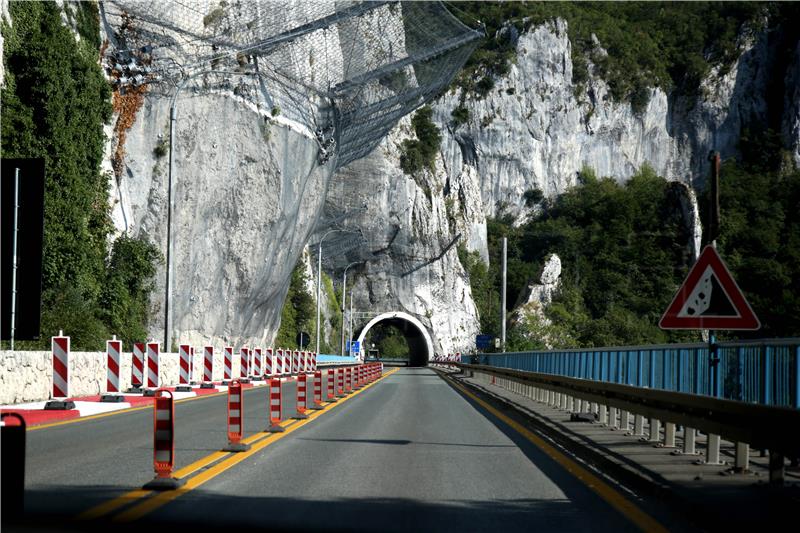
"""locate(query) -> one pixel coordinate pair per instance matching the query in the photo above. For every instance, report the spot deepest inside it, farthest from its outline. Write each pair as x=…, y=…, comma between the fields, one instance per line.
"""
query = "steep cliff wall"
x=532, y=131
x=247, y=191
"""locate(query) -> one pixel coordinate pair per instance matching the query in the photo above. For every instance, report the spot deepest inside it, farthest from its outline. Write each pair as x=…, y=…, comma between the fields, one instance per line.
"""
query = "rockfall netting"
x=343, y=72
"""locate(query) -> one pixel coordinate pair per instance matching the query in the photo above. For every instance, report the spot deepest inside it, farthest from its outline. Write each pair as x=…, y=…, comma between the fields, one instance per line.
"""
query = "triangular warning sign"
x=709, y=299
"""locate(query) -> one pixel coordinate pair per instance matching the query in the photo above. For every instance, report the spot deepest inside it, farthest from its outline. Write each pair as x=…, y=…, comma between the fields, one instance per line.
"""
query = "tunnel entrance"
x=391, y=329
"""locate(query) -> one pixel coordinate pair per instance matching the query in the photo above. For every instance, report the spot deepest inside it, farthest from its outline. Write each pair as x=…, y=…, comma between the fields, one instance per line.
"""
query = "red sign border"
x=747, y=319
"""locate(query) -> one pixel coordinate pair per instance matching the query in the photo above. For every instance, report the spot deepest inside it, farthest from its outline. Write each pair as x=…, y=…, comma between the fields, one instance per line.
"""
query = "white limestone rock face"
x=419, y=216
x=532, y=132
x=246, y=194
x=540, y=292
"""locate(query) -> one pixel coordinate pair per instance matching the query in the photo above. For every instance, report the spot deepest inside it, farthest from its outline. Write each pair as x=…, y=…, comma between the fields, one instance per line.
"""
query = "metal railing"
x=774, y=428
x=764, y=371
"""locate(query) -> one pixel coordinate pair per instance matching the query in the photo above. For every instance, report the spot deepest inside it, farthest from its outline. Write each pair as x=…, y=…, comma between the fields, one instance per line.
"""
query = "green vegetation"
x=649, y=44
x=54, y=106
x=760, y=232
x=624, y=254
x=298, y=313
x=420, y=153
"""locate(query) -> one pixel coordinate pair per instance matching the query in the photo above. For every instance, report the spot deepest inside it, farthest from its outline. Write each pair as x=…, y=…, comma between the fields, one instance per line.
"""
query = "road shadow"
x=201, y=511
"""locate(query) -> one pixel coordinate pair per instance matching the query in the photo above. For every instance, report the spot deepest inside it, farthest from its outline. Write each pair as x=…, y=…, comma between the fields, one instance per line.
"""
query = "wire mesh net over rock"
x=342, y=72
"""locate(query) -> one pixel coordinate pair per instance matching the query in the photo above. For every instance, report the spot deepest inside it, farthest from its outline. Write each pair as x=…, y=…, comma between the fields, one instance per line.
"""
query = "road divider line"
x=627, y=508
x=157, y=501
x=112, y=505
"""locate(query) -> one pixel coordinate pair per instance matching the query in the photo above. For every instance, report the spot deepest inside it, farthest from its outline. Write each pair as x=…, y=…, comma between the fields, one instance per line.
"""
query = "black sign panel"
x=30, y=226
x=303, y=339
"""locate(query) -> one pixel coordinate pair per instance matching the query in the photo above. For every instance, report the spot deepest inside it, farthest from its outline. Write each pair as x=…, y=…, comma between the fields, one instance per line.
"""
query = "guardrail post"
x=689, y=435
x=775, y=467
x=742, y=460
x=712, y=450
x=655, y=430
x=638, y=426
x=669, y=435
x=624, y=420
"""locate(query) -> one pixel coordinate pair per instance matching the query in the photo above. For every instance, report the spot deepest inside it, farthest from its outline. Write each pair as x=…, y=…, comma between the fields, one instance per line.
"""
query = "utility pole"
x=14, y=271
x=503, y=298
x=713, y=233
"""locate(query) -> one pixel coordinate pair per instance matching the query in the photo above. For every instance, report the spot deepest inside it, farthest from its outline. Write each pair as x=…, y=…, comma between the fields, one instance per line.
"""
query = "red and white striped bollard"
x=164, y=443
x=236, y=418
x=275, y=412
x=227, y=365
x=301, y=397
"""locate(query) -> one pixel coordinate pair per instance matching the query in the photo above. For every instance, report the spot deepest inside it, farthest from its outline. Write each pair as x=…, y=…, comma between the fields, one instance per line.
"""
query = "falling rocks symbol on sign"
x=709, y=299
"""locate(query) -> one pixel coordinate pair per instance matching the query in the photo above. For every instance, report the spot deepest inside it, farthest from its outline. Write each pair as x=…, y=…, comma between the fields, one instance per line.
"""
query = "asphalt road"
x=409, y=453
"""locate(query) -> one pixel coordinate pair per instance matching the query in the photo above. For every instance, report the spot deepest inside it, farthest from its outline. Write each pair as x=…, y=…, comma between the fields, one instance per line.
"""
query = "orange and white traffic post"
x=275, y=406
x=317, y=403
x=164, y=442
x=302, y=382
x=331, y=378
x=235, y=418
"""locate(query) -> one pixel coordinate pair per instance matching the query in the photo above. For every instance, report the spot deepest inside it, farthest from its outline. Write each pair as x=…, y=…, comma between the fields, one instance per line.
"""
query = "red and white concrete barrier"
x=113, y=353
x=60, y=345
x=258, y=366
x=185, y=352
x=268, y=363
x=152, y=363
x=275, y=412
x=208, y=364
x=244, y=365
x=163, y=441
x=228, y=363
x=235, y=418
x=137, y=365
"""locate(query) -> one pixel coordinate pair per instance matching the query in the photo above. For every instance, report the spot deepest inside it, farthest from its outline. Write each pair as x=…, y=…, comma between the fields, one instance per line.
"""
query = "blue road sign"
x=483, y=341
x=353, y=347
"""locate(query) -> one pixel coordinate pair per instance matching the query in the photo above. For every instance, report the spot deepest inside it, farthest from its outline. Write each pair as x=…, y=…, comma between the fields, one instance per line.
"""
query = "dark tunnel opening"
x=417, y=346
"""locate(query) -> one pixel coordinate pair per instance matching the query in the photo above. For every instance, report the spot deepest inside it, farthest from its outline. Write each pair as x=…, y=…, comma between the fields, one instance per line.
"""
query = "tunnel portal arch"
x=421, y=351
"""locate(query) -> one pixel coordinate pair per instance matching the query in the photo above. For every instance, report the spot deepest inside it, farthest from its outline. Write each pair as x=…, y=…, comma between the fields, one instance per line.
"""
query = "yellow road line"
x=112, y=505
x=260, y=440
x=163, y=498
x=642, y=520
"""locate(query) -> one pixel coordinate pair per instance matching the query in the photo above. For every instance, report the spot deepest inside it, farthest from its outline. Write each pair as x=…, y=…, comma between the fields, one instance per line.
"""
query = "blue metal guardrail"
x=764, y=371
x=326, y=358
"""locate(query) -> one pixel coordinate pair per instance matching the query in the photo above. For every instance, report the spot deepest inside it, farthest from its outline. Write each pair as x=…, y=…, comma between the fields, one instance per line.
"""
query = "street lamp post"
x=344, y=296
x=319, y=277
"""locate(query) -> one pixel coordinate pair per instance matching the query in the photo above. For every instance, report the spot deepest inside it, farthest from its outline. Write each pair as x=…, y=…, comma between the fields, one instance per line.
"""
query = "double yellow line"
x=149, y=501
x=627, y=508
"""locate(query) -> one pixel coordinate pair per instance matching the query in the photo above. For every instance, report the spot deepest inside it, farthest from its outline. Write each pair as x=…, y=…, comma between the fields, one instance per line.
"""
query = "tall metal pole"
x=344, y=296
x=14, y=269
x=168, y=284
x=503, y=298
x=319, y=287
x=344, y=300
x=351, y=314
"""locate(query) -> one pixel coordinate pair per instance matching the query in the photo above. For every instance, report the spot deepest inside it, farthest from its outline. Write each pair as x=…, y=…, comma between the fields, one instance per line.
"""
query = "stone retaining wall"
x=28, y=376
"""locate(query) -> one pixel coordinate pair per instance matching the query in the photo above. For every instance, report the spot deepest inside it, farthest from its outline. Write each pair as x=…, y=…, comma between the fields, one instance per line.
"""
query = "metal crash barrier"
x=776, y=429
